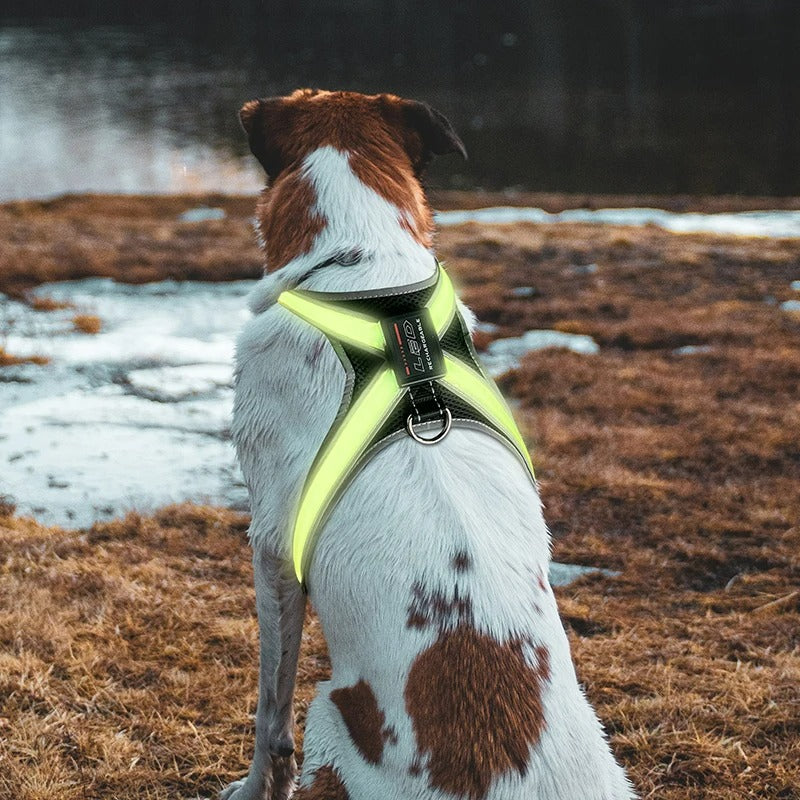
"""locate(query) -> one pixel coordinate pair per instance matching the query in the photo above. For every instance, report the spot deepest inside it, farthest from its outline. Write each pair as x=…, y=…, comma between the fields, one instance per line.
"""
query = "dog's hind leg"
x=281, y=605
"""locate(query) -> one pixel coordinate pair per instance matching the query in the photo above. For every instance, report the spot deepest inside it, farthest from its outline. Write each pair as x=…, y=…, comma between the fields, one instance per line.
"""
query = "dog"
x=451, y=671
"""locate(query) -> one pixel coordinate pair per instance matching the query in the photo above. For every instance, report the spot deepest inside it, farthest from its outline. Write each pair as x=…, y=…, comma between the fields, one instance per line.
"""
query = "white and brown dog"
x=452, y=675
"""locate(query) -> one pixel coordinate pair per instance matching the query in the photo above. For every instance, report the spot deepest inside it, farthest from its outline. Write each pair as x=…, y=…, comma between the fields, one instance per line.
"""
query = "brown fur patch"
x=542, y=582
x=327, y=785
x=363, y=718
x=388, y=173
x=415, y=768
x=287, y=220
x=389, y=734
x=372, y=129
x=462, y=561
x=476, y=708
x=433, y=607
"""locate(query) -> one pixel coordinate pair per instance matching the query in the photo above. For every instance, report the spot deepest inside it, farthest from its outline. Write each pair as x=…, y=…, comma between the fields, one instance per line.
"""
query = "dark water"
x=563, y=95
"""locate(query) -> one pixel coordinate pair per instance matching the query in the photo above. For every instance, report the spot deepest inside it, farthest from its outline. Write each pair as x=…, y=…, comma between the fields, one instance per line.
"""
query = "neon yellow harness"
x=410, y=364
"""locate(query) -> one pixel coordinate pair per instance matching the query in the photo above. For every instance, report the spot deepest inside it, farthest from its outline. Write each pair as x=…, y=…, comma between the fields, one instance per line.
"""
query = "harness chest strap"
x=432, y=352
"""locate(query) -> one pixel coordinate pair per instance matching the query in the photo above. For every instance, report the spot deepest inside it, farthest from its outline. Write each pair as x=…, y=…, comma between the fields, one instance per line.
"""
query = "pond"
x=563, y=96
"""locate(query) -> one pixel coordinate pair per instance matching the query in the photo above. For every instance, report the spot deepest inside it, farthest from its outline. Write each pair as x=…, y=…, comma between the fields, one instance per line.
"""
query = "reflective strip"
x=442, y=303
x=339, y=454
x=347, y=326
x=482, y=394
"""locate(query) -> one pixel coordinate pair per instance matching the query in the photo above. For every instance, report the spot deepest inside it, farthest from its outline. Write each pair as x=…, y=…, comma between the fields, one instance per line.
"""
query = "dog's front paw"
x=244, y=789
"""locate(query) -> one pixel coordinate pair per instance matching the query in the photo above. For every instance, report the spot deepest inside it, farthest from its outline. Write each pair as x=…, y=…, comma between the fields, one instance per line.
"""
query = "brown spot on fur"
x=388, y=141
x=389, y=734
x=397, y=185
x=363, y=718
x=435, y=608
x=287, y=220
x=476, y=708
x=543, y=662
x=327, y=785
x=462, y=562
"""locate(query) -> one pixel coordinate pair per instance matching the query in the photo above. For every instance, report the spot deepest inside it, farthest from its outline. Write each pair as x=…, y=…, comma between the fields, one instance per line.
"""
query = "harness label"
x=413, y=347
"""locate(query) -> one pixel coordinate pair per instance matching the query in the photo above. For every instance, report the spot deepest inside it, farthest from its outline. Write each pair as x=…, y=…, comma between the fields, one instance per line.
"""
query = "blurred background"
x=603, y=96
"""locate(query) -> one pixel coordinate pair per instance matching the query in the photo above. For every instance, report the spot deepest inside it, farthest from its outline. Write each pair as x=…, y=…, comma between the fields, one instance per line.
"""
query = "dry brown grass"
x=87, y=323
x=41, y=303
x=8, y=359
x=134, y=239
x=554, y=202
x=128, y=661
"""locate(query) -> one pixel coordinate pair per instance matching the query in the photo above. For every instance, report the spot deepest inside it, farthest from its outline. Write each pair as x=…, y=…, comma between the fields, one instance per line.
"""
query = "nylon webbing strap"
x=361, y=423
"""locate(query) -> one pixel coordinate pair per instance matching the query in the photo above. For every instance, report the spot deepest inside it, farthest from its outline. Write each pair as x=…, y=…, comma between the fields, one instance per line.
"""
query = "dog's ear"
x=265, y=122
x=435, y=133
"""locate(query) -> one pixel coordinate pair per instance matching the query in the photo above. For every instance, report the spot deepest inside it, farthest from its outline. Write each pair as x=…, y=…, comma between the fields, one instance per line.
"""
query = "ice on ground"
x=171, y=384
x=135, y=416
x=202, y=214
x=524, y=291
x=692, y=349
x=504, y=354
x=772, y=224
x=564, y=574
x=77, y=458
x=790, y=305
x=795, y=286
x=584, y=269
x=166, y=322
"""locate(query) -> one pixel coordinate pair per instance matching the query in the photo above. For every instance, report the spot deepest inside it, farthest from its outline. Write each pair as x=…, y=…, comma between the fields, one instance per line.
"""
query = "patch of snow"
x=564, y=574
x=487, y=327
x=692, y=349
x=167, y=322
x=772, y=224
x=503, y=355
x=135, y=416
x=170, y=384
x=202, y=214
x=790, y=305
x=795, y=285
x=524, y=291
x=81, y=457
x=584, y=269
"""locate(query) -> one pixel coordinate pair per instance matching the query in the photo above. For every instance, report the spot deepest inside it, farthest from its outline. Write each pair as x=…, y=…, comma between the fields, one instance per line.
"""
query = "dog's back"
x=451, y=671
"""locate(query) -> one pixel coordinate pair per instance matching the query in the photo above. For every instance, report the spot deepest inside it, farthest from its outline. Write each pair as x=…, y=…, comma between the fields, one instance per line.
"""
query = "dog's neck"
x=338, y=203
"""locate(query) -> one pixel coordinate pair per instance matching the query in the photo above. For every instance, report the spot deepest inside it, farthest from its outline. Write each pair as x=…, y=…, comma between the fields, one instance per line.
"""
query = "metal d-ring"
x=448, y=421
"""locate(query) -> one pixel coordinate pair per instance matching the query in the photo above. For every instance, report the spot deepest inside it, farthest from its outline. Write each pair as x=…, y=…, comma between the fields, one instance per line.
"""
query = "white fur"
x=469, y=493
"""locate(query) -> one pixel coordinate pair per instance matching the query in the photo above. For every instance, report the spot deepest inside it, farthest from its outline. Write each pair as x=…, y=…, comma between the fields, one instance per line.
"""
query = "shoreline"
x=144, y=238
x=452, y=199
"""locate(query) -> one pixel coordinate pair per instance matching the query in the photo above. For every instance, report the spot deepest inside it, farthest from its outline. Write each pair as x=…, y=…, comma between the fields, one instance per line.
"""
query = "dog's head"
x=388, y=142
x=282, y=130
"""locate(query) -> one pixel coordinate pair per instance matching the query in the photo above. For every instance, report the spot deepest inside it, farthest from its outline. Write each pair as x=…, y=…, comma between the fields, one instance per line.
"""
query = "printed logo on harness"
x=413, y=347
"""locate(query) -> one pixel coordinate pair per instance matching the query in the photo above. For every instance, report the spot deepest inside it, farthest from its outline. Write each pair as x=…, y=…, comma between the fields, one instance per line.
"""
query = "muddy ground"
x=128, y=651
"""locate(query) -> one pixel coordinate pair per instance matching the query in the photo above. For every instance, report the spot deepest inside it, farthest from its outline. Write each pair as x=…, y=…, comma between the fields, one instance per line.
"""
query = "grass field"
x=128, y=651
